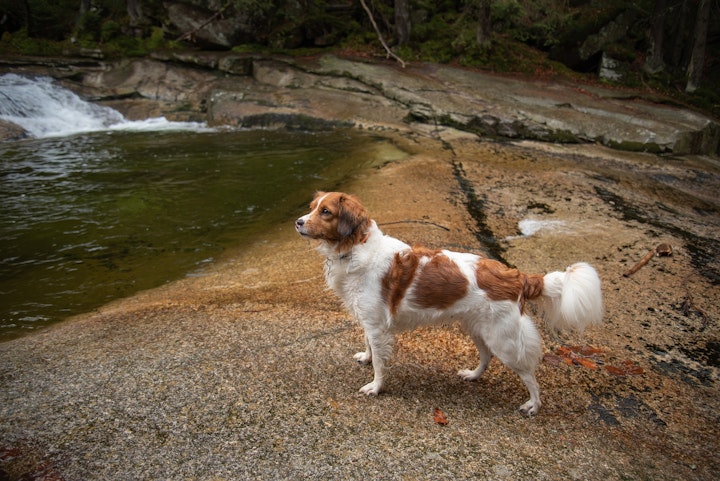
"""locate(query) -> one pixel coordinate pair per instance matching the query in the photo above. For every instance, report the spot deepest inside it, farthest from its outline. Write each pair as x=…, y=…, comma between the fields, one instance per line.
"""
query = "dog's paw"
x=530, y=408
x=363, y=357
x=370, y=389
x=469, y=374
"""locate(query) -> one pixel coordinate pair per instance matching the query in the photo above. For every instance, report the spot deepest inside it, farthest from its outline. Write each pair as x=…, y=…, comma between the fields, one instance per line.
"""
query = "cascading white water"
x=45, y=109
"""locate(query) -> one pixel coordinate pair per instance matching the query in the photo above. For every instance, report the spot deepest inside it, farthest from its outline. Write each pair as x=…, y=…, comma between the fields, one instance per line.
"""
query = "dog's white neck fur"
x=374, y=243
x=363, y=265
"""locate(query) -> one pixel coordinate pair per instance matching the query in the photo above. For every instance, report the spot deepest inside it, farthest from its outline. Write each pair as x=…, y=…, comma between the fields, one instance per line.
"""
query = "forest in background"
x=671, y=46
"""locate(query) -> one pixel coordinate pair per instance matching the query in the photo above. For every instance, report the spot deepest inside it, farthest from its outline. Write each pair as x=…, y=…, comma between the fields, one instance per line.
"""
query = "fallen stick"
x=409, y=221
x=660, y=250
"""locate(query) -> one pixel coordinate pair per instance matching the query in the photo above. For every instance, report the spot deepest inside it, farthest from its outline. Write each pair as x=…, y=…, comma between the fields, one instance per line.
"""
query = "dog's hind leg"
x=516, y=342
x=485, y=357
x=528, y=358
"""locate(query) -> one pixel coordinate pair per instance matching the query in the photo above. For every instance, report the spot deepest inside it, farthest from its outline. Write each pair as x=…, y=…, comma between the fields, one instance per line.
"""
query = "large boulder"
x=279, y=94
x=206, y=27
x=153, y=80
x=504, y=107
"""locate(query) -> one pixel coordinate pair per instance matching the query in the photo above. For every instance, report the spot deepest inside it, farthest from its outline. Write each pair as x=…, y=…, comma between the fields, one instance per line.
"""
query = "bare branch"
x=380, y=37
x=191, y=33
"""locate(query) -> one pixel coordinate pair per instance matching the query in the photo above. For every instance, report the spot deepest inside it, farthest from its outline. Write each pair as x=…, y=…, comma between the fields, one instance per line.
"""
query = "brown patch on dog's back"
x=501, y=283
x=398, y=278
x=440, y=282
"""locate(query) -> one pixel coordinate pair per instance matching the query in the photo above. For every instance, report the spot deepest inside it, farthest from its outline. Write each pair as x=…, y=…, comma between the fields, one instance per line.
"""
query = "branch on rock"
x=661, y=250
x=380, y=37
x=191, y=34
x=409, y=221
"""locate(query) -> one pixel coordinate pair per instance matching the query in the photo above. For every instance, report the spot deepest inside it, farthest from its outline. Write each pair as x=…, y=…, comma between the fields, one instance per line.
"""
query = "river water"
x=94, y=216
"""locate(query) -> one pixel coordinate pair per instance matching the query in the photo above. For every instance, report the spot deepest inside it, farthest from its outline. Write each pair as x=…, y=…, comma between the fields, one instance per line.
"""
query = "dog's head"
x=337, y=219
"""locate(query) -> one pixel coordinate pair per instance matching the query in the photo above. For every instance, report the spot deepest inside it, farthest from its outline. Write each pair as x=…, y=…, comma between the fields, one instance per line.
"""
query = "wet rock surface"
x=252, y=90
x=11, y=131
x=247, y=371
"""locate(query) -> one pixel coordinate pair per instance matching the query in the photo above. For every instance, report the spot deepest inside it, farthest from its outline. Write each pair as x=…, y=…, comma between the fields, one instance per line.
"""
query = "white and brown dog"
x=389, y=286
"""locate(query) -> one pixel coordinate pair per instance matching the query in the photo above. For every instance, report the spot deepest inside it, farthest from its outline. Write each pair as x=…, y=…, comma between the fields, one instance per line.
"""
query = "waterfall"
x=45, y=109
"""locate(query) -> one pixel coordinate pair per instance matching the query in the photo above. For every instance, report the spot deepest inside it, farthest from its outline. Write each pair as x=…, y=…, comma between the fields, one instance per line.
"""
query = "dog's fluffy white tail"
x=573, y=299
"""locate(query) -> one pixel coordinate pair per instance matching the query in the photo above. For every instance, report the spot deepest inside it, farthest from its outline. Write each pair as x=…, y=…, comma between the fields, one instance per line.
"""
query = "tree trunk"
x=654, y=62
x=402, y=21
x=481, y=11
x=697, y=60
x=26, y=15
x=679, y=56
x=134, y=10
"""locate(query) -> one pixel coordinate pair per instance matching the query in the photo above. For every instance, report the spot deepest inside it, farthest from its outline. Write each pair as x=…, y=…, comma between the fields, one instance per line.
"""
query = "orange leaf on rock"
x=564, y=351
x=585, y=350
x=551, y=359
x=631, y=368
x=440, y=417
x=615, y=370
x=579, y=355
x=626, y=368
x=585, y=362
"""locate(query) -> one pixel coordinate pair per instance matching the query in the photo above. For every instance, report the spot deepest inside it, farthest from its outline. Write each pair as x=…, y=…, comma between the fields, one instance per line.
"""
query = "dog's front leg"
x=366, y=356
x=381, y=346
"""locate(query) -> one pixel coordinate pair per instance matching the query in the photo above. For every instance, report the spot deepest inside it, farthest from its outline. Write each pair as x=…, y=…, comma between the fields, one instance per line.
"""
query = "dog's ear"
x=351, y=215
x=353, y=221
x=317, y=196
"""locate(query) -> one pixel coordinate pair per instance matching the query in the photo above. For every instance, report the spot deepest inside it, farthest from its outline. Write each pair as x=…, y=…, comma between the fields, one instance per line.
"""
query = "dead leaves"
x=23, y=461
x=8, y=453
x=590, y=358
x=574, y=355
x=439, y=417
x=582, y=355
x=625, y=368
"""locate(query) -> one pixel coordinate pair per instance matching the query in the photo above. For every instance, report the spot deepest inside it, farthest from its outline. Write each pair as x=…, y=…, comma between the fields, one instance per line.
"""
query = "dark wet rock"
x=609, y=34
x=11, y=131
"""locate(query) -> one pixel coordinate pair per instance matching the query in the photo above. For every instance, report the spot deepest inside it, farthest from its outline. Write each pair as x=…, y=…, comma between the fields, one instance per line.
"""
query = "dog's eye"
x=324, y=211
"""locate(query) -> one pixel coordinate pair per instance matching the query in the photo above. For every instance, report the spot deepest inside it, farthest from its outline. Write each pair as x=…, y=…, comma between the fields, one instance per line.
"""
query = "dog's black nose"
x=299, y=222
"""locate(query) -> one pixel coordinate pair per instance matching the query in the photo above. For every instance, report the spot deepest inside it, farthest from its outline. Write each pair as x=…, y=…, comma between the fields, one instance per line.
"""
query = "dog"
x=390, y=286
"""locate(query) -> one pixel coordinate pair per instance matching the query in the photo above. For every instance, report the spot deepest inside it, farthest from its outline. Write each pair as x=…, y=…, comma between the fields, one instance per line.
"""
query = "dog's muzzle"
x=300, y=226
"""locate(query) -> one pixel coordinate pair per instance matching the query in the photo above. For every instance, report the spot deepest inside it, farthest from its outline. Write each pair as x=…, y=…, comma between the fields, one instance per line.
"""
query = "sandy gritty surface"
x=247, y=372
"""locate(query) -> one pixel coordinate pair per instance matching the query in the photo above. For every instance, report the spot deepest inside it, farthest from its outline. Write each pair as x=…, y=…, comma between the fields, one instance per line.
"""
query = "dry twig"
x=409, y=221
x=660, y=250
